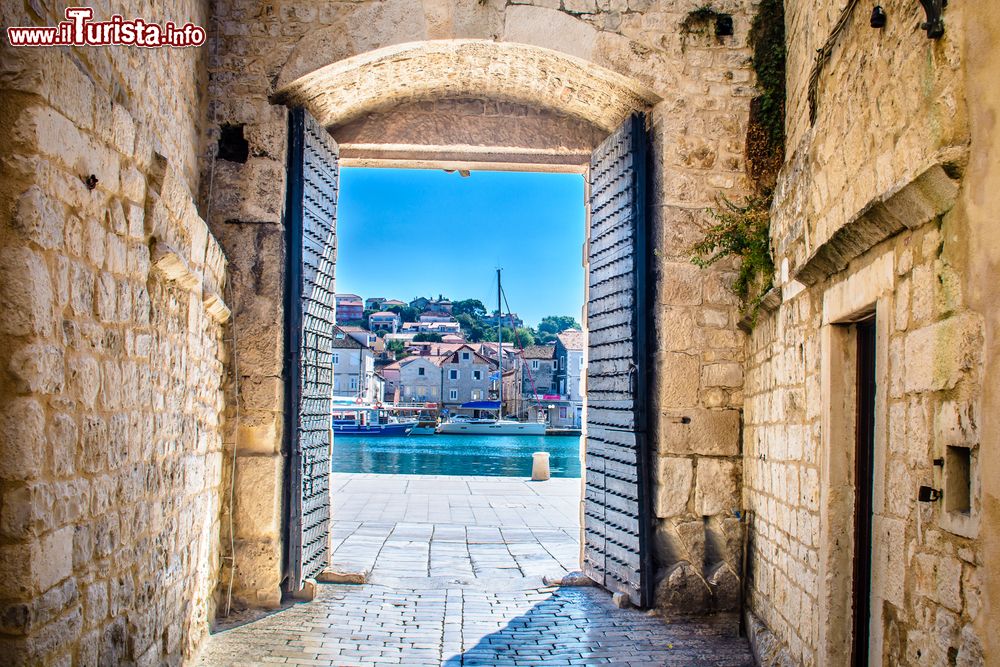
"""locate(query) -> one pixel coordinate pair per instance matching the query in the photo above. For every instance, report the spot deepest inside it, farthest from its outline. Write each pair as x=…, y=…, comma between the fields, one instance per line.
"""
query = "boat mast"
x=499, y=349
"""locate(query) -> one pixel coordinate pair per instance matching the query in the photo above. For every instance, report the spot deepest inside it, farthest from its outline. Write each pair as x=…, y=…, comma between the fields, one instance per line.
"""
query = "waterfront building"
x=384, y=321
x=570, y=346
x=350, y=308
x=353, y=367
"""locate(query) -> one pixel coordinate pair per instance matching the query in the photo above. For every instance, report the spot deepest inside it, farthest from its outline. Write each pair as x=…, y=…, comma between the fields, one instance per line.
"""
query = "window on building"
x=477, y=395
x=354, y=383
x=465, y=356
x=534, y=364
x=453, y=394
x=336, y=358
x=563, y=412
x=477, y=375
x=453, y=375
x=421, y=371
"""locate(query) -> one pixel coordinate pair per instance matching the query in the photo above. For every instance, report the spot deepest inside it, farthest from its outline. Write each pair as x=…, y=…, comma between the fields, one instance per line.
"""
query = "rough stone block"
x=728, y=374
x=679, y=540
x=258, y=497
x=725, y=587
x=675, y=329
x=679, y=284
x=38, y=368
x=22, y=439
x=949, y=583
x=334, y=576
x=677, y=386
x=259, y=580
x=570, y=579
x=672, y=486
x=717, y=486
x=938, y=356
x=700, y=431
x=39, y=219
x=307, y=592
x=681, y=591
x=621, y=600
x=26, y=294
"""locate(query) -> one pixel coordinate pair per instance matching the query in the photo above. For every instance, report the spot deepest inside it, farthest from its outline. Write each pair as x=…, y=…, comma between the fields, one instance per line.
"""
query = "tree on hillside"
x=398, y=348
x=406, y=313
x=473, y=307
x=427, y=338
x=554, y=324
x=472, y=328
x=525, y=336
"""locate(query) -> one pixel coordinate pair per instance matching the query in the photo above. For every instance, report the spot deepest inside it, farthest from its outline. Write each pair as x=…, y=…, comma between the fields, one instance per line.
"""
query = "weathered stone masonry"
x=508, y=72
x=868, y=214
x=113, y=457
x=111, y=362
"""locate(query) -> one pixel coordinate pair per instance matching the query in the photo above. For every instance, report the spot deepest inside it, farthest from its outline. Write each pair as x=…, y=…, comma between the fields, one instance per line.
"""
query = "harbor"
x=483, y=455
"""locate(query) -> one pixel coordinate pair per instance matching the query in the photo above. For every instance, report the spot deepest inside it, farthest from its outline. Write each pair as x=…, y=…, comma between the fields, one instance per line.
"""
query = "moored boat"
x=491, y=427
x=462, y=425
x=367, y=420
x=425, y=427
x=351, y=427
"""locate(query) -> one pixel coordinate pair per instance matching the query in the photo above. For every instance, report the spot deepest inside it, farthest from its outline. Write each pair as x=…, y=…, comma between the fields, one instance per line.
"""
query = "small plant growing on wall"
x=741, y=230
x=705, y=21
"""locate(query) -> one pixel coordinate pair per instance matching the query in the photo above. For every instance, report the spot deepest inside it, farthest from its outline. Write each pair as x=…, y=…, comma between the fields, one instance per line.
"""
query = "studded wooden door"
x=617, y=526
x=310, y=225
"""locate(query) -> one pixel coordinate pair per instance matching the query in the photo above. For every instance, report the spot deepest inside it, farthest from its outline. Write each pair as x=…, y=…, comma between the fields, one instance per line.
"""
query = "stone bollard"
x=539, y=466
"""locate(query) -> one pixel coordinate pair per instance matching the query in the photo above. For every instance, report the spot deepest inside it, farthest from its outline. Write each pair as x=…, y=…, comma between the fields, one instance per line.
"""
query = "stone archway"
x=548, y=66
x=475, y=102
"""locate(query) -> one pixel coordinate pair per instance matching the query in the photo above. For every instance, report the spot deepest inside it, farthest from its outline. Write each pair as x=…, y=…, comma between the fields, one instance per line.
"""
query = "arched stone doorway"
x=576, y=79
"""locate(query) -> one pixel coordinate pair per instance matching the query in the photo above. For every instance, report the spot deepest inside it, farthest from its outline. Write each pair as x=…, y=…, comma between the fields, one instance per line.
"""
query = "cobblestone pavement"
x=456, y=580
x=377, y=625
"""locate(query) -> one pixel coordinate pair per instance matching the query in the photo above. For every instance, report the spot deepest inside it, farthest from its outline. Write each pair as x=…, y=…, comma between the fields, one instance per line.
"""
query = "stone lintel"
x=910, y=205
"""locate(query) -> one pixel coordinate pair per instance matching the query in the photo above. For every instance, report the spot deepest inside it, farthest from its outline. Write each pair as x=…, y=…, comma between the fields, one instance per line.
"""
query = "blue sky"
x=404, y=233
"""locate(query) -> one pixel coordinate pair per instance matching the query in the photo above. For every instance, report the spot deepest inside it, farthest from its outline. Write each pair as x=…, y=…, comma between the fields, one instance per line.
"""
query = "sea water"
x=492, y=455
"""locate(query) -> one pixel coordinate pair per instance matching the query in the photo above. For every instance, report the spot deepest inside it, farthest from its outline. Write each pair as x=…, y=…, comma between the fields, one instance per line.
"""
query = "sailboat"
x=460, y=425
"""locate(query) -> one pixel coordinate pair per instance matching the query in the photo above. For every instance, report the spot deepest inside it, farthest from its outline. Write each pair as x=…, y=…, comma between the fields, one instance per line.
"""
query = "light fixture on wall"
x=878, y=17
x=934, y=25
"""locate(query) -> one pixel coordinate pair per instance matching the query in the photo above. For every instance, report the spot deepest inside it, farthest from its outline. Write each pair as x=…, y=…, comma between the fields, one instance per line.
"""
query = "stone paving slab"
x=458, y=581
x=467, y=528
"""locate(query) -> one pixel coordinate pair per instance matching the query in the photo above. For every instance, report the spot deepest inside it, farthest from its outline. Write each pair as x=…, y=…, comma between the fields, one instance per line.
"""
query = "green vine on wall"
x=767, y=39
x=742, y=229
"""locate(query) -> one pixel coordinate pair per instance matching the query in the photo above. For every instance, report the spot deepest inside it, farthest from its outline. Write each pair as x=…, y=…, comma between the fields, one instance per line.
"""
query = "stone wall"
x=592, y=63
x=865, y=221
x=111, y=362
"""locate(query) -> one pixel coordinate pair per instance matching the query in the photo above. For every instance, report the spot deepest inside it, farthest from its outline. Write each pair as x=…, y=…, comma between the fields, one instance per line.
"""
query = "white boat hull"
x=491, y=427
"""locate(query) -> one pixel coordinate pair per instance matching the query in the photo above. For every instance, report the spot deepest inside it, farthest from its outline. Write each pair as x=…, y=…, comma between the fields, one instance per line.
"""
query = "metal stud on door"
x=310, y=222
x=616, y=520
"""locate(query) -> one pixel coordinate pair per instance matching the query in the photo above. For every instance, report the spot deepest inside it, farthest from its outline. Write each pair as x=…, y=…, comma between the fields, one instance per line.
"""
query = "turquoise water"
x=455, y=455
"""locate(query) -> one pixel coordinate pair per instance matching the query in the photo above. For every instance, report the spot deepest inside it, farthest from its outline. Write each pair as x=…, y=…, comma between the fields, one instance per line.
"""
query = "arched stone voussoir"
x=345, y=90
